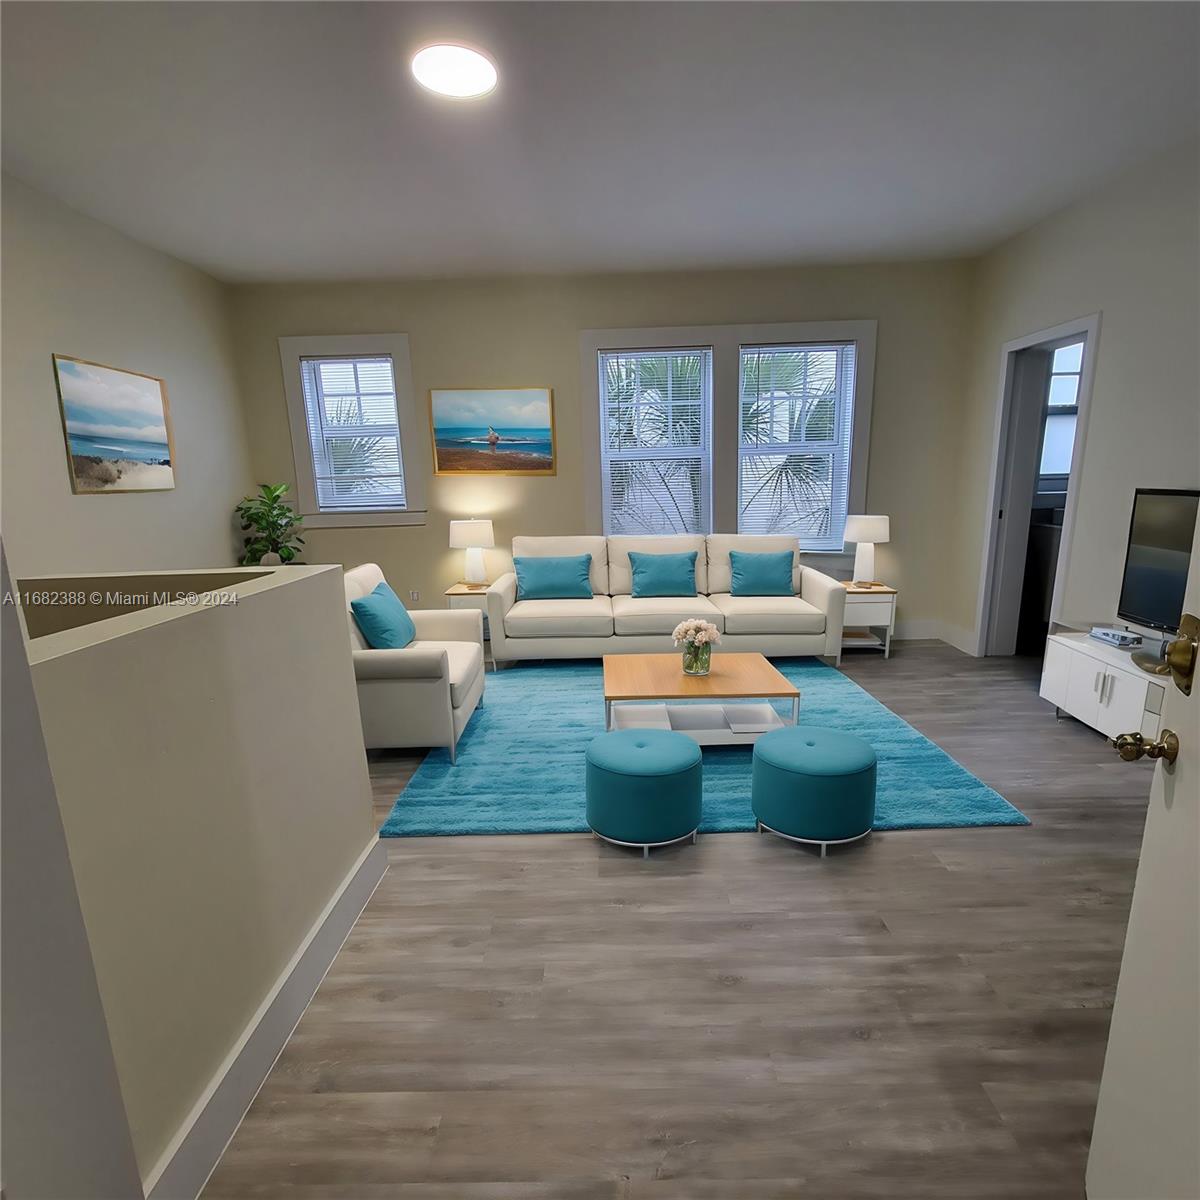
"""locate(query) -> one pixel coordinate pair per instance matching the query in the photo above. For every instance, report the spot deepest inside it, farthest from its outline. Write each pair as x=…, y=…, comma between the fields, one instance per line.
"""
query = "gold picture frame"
x=114, y=429
x=493, y=431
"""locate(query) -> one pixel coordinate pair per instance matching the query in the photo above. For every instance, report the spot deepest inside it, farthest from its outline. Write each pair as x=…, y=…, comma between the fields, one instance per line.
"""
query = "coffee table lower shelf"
x=708, y=723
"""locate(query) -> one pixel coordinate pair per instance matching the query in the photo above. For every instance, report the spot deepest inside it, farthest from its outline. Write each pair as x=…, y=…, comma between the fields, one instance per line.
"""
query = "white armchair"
x=423, y=695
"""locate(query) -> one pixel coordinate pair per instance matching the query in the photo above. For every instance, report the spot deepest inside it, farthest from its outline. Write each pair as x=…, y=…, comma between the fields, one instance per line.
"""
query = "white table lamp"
x=865, y=532
x=473, y=536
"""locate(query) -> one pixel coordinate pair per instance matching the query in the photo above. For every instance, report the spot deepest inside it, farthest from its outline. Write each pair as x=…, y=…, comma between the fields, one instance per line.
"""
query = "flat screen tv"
x=1157, y=558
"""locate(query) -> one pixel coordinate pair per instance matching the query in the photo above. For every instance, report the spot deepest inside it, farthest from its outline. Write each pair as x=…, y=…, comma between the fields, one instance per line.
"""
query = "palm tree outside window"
x=656, y=451
x=795, y=423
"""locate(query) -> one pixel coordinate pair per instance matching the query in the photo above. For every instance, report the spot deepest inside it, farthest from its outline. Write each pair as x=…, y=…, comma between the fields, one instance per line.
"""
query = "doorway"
x=1039, y=445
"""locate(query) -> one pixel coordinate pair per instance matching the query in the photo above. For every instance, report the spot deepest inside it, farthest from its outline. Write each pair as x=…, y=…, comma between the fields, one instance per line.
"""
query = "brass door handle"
x=1178, y=657
x=1132, y=746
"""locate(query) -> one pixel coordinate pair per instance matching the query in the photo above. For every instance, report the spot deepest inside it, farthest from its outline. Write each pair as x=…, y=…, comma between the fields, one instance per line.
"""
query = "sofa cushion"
x=383, y=619
x=464, y=664
x=548, y=577
x=768, y=614
x=762, y=573
x=560, y=618
x=720, y=573
x=620, y=574
x=562, y=547
x=660, y=614
x=663, y=574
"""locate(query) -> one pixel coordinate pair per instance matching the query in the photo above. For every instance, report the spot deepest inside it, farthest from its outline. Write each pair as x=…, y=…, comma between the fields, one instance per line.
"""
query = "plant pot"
x=270, y=559
x=697, y=659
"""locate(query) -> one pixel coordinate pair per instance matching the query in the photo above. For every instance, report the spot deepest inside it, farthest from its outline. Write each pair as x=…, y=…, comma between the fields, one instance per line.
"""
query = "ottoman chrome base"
x=646, y=847
x=858, y=837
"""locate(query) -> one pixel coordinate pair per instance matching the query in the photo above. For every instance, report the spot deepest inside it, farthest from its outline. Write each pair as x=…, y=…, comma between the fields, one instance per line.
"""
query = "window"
x=655, y=444
x=351, y=410
x=795, y=418
x=1062, y=412
x=353, y=433
x=761, y=428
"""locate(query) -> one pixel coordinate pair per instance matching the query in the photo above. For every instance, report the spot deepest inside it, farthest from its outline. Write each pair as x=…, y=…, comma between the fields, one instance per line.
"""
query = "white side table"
x=466, y=595
x=868, y=610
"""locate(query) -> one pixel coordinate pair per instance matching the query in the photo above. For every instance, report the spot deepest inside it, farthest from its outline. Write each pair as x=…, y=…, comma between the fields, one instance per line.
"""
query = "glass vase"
x=696, y=659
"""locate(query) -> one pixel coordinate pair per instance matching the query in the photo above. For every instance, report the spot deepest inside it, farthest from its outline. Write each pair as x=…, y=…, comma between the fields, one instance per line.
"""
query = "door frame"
x=1089, y=328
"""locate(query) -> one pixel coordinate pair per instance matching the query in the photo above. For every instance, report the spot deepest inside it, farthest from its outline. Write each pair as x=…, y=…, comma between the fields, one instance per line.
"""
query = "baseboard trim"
x=960, y=639
x=927, y=629
x=919, y=630
x=196, y=1149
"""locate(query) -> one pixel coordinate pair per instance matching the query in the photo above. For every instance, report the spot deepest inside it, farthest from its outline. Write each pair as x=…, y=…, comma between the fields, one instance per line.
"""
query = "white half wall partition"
x=62, y=1120
x=204, y=738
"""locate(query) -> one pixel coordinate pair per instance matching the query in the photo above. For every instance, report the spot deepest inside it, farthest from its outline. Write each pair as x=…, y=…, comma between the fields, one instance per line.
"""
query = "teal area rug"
x=521, y=761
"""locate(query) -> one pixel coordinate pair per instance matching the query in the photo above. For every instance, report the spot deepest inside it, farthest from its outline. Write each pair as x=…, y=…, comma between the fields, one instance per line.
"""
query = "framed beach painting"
x=492, y=431
x=117, y=427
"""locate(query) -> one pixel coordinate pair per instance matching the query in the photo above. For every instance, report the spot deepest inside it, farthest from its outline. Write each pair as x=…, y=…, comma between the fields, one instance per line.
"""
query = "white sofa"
x=613, y=621
x=423, y=695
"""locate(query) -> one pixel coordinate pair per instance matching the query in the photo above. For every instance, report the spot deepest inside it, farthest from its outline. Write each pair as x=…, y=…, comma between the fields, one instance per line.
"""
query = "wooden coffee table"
x=633, y=683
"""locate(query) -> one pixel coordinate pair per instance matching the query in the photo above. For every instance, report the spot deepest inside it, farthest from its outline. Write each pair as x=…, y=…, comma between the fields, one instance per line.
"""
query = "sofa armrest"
x=449, y=625
x=826, y=593
x=413, y=662
x=501, y=596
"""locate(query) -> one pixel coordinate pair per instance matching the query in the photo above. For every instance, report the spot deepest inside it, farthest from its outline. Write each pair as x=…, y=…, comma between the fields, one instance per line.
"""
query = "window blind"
x=354, y=433
x=656, y=445
x=795, y=416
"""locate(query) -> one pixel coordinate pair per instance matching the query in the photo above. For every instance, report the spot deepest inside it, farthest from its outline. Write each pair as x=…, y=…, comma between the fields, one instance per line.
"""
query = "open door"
x=1144, y=1143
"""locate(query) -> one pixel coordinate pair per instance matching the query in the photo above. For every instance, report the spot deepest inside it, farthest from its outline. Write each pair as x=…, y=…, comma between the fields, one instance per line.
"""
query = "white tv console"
x=1099, y=685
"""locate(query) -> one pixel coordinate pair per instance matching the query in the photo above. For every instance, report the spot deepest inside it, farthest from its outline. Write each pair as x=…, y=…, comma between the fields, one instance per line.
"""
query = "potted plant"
x=697, y=637
x=271, y=527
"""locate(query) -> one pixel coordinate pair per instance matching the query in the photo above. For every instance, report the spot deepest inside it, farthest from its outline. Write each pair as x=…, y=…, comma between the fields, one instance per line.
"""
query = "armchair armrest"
x=826, y=593
x=501, y=596
x=413, y=662
x=449, y=625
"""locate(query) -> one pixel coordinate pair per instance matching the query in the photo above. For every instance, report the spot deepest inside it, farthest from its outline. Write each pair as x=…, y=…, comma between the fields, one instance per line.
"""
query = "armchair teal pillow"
x=554, y=578
x=759, y=574
x=383, y=620
x=663, y=574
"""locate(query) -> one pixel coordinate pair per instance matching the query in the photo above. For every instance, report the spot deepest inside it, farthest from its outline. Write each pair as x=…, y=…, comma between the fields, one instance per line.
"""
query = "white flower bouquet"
x=697, y=637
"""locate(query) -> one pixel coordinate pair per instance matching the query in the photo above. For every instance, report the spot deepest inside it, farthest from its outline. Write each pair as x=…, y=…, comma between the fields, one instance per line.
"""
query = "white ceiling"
x=287, y=141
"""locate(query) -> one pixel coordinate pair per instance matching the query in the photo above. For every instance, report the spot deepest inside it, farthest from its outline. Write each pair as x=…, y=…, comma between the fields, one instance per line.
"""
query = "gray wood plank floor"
x=923, y=1015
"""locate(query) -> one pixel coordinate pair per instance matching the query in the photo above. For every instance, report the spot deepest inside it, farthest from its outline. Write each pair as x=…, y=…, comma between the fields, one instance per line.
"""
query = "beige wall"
x=74, y=286
x=1132, y=253
x=511, y=332
x=1129, y=252
x=210, y=771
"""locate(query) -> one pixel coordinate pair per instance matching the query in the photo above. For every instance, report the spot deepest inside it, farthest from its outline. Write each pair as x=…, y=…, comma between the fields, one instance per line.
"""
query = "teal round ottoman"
x=813, y=785
x=643, y=787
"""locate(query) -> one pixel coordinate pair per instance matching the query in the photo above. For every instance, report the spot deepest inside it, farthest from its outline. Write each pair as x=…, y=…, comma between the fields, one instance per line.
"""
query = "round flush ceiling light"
x=454, y=71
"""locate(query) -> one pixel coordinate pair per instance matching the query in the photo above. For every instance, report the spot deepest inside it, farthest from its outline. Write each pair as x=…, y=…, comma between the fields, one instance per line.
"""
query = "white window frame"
x=412, y=434
x=703, y=451
x=726, y=342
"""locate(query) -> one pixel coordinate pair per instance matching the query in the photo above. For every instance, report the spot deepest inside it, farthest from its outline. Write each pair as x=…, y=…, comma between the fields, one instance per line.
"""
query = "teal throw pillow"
x=663, y=574
x=758, y=574
x=383, y=619
x=554, y=578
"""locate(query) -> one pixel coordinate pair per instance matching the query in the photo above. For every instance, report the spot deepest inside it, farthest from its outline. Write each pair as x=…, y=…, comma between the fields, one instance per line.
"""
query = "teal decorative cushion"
x=758, y=574
x=553, y=578
x=383, y=619
x=663, y=574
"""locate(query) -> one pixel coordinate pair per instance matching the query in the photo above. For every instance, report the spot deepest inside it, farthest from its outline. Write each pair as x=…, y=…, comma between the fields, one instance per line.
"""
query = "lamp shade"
x=465, y=534
x=867, y=529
